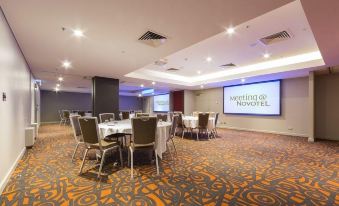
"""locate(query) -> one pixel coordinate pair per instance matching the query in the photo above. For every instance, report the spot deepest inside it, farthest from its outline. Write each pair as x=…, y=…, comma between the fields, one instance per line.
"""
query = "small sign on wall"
x=4, y=96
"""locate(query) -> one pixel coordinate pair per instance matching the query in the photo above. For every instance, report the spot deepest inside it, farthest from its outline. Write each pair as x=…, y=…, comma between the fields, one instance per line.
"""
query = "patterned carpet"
x=238, y=168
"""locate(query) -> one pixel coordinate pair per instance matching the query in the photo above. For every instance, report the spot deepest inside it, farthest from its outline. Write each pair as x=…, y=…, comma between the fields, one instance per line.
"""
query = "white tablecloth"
x=125, y=126
x=192, y=122
x=130, y=115
x=86, y=114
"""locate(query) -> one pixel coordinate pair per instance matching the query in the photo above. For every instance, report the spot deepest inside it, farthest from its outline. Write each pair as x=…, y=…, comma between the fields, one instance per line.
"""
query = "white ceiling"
x=110, y=48
x=242, y=48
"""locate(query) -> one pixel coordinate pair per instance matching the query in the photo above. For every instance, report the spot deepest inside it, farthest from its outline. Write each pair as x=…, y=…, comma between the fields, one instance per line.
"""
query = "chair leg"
x=121, y=161
x=169, y=150
x=183, y=133
x=175, y=150
x=102, y=162
x=156, y=161
x=76, y=148
x=198, y=134
x=83, y=161
x=131, y=151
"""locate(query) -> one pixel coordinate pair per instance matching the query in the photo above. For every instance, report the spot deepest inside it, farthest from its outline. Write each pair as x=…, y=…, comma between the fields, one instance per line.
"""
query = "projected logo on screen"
x=257, y=99
x=250, y=100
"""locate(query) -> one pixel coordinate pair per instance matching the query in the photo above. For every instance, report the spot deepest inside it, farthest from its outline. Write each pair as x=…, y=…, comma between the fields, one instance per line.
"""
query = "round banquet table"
x=125, y=126
x=192, y=122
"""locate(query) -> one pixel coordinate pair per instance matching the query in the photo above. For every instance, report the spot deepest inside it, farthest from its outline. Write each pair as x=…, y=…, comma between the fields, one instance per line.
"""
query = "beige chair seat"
x=104, y=144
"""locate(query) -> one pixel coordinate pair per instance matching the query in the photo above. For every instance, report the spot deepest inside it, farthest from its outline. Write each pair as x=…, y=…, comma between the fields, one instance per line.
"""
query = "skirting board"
x=4, y=182
x=263, y=131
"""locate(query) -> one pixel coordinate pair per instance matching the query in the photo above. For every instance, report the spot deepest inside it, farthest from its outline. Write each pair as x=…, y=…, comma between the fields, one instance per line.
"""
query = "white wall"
x=189, y=102
x=293, y=121
x=15, y=80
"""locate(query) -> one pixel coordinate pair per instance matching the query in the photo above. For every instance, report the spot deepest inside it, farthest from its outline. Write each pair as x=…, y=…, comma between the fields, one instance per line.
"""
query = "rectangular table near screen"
x=262, y=98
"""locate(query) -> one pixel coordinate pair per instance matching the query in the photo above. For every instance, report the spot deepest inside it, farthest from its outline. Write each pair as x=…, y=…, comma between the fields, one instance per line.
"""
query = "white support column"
x=311, y=106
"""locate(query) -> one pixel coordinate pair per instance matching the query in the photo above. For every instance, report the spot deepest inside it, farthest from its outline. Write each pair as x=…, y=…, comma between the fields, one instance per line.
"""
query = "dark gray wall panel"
x=52, y=101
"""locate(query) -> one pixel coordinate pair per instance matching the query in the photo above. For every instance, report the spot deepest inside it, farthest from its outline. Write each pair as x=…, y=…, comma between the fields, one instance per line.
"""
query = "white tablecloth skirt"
x=125, y=127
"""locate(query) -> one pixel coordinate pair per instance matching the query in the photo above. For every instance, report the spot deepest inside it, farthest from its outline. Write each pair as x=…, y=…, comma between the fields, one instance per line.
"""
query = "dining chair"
x=215, y=132
x=162, y=117
x=92, y=140
x=106, y=117
x=65, y=115
x=76, y=133
x=142, y=114
x=61, y=116
x=195, y=114
x=177, y=112
x=172, y=134
x=144, y=133
x=171, y=115
x=212, y=114
x=202, y=124
x=82, y=113
x=125, y=115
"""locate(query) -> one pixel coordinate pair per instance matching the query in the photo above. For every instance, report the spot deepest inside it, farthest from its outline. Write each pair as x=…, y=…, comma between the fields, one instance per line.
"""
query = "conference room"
x=155, y=102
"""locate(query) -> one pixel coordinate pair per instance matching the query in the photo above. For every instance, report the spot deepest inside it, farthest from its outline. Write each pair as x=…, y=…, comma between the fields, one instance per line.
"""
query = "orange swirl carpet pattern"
x=237, y=168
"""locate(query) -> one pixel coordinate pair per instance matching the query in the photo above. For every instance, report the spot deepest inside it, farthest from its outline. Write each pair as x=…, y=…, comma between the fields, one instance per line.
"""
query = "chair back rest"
x=180, y=123
x=195, y=114
x=89, y=129
x=65, y=114
x=125, y=115
x=171, y=115
x=106, y=117
x=144, y=130
x=162, y=117
x=81, y=113
x=75, y=126
x=142, y=114
x=212, y=114
x=203, y=120
x=216, y=119
x=174, y=125
x=177, y=112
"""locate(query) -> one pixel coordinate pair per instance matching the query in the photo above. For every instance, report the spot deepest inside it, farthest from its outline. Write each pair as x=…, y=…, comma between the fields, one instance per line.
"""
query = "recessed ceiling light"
x=56, y=89
x=141, y=85
x=209, y=59
x=153, y=93
x=58, y=85
x=230, y=30
x=78, y=33
x=66, y=64
x=266, y=55
x=60, y=79
x=243, y=80
x=201, y=86
x=199, y=72
x=153, y=83
x=139, y=95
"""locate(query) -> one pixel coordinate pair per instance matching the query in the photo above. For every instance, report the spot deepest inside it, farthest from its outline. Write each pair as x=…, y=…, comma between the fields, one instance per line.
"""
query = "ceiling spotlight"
x=139, y=95
x=141, y=85
x=230, y=30
x=153, y=93
x=58, y=85
x=66, y=64
x=201, y=86
x=209, y=59
x=266, y=55
x=153, y=83
x=60, y=79
x=78, y=33
x=243, y=80
x=56, y=89
x=199, y=72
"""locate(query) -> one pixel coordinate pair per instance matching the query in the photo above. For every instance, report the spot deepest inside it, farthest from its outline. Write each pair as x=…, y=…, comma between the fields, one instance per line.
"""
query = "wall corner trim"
x=4, y=182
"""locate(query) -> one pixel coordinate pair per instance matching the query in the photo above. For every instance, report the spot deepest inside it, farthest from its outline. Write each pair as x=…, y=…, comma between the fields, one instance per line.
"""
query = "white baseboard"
x=50, y=122
x=263, y=131
x=4, y=182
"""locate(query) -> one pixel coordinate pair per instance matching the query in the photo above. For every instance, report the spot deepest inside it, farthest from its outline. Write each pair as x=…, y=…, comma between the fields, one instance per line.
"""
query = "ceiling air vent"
x=172, y=69
x=228, y=65
x=152, y=39
x=274, y=38
x=160, y=62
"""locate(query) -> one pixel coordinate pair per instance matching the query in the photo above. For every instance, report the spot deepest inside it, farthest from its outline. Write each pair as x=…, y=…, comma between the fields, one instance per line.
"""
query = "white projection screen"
x=262, y=98
x=161, y=103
